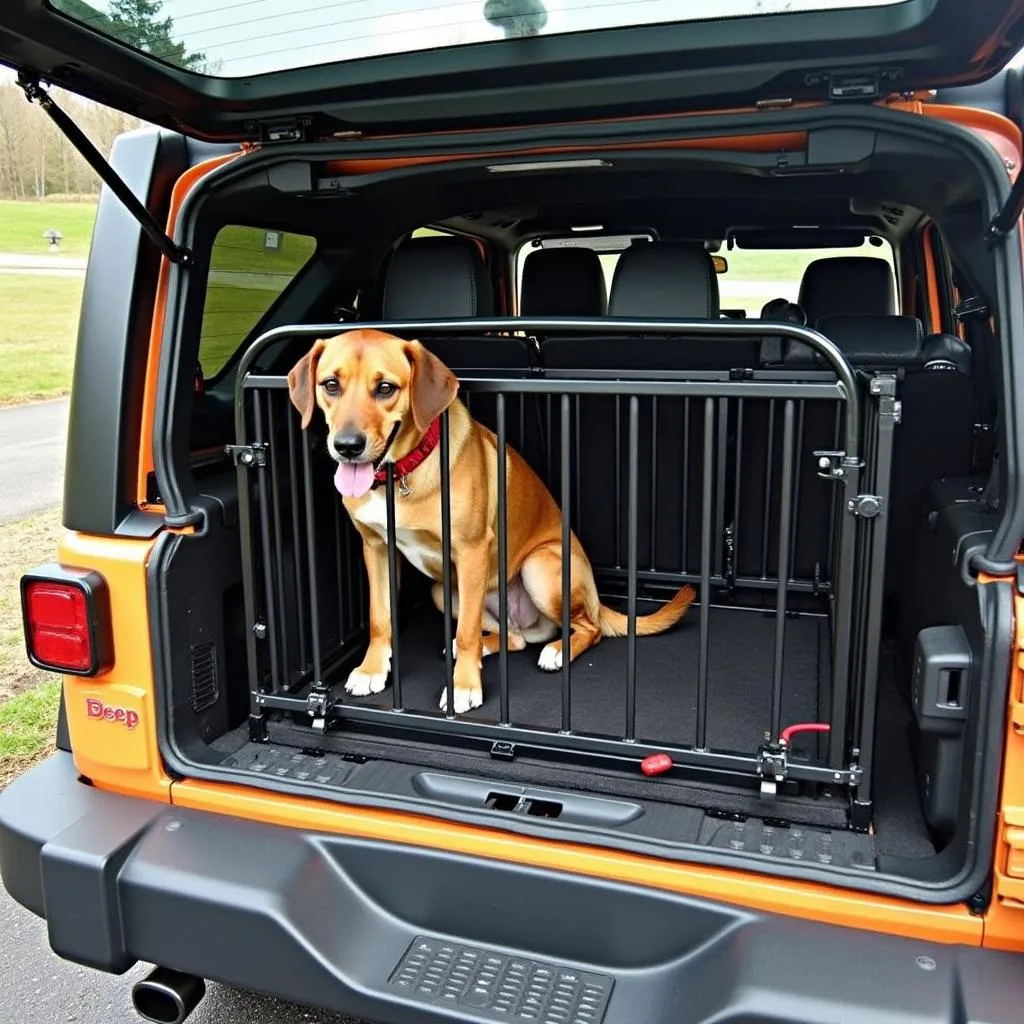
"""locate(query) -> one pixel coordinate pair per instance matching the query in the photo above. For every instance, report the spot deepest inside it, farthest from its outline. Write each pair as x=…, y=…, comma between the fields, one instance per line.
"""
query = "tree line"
x=36, y=160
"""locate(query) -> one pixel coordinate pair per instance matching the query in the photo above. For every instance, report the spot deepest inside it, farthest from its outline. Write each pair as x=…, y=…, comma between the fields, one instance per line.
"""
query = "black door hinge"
x=35, y=93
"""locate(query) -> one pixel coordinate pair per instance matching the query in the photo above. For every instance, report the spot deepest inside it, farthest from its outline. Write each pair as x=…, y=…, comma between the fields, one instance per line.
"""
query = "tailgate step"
x=494, y=986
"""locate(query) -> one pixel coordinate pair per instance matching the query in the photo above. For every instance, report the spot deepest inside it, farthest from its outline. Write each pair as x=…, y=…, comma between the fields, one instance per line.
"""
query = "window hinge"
x=253, y=456
x=35, y=93
x=865, y=84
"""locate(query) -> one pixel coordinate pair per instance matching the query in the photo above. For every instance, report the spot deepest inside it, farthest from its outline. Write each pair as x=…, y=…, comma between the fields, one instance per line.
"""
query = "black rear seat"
x=563, y=282
x=438, y=277
x=657, y=280
x=847, y=286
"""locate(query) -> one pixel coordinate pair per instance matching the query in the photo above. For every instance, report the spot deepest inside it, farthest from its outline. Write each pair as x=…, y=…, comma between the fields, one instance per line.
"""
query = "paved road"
x=37, y=987
x=32, y=440
x=48, y=265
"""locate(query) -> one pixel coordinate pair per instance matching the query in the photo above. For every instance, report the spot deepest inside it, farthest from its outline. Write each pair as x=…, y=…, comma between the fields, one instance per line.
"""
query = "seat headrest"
x=563, y=282
x=875, y=342
x=663, y=280
x=436, y=277
x=868, y=342
x=848, y=286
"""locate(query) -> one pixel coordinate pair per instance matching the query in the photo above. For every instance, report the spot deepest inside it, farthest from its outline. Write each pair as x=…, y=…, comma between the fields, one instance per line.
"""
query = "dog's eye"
x=330, y=386
x=385, y=389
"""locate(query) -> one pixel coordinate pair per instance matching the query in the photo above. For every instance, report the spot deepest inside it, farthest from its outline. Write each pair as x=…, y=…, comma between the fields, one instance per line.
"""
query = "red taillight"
x=67, y=621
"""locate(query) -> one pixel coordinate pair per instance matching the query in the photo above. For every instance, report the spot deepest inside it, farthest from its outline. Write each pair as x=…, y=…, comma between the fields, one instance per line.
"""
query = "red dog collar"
x=407, y=463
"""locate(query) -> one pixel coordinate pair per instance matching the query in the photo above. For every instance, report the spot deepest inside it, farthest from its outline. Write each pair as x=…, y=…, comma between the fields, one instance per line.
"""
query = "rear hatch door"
x=312, y=69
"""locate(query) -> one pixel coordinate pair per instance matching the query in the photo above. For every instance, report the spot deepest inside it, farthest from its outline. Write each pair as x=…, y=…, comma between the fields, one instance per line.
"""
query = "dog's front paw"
x=465, y=699
x=364, y=680
x=550, y=659
x=362, y=684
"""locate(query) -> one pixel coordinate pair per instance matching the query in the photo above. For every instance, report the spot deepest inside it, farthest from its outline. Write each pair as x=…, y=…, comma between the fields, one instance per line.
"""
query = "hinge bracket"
x=830, y=464
x=253, y=456
x=35, y=93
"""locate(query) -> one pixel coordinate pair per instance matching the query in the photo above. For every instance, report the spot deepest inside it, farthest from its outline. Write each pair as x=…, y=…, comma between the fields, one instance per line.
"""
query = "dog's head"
x=378, y=395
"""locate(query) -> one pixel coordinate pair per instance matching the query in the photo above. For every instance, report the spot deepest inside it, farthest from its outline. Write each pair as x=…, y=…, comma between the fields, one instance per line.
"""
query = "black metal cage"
x=765, y=488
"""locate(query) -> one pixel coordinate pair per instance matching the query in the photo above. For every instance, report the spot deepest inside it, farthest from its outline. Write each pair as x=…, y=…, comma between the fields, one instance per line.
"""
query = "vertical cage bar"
x=720, y=478
x=522, y=422
x=768, y=474
x=396, y=668
x=632, y=526
x=794, y=531
x=707, y=496
x=782, y=591
x=245, y=536
x=618, y=482
x=270, y=597
x=446, y=566
x=502, y=560
x=884, y=423
x=684, y=547
x=654, y=482
x=737, y=480
x=275, y=498
x=578, y=494
x=314, y=588
x=300, y=596
x=550, y=446
x=566, y=570
x=339, y=571
x=842, y=628
x=833, y=519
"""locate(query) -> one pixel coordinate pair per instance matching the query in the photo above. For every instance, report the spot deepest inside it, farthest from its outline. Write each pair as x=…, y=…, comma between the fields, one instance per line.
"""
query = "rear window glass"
x=753, y=276
x=237, y=38
x=249, y=269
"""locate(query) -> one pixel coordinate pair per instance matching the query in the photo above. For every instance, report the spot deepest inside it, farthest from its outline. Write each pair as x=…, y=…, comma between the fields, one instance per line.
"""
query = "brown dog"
x=381, y=398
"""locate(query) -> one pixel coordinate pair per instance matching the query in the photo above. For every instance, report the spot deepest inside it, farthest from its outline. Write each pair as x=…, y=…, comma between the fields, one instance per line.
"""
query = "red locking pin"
x=656, y=764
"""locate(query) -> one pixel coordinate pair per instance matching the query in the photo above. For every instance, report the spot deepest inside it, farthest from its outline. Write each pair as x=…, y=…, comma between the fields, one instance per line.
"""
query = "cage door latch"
x=867, y=506
x=830, y=465
x=773, y=767
x=318, y=704
x=252, y=455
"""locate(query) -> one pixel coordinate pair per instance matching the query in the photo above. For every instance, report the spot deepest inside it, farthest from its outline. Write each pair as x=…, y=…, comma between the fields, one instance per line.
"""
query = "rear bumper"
x=326, y=920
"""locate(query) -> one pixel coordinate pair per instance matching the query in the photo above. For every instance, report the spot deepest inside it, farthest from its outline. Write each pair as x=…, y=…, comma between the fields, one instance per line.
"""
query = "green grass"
x=27, y=723
x=22, y=225
x=38, y=330
x=788, y=265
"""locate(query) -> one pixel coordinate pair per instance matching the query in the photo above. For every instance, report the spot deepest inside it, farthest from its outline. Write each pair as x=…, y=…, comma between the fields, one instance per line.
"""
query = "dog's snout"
x=349, y=444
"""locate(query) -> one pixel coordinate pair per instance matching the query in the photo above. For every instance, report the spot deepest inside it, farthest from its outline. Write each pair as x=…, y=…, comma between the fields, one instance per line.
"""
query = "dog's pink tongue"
x=354, y=479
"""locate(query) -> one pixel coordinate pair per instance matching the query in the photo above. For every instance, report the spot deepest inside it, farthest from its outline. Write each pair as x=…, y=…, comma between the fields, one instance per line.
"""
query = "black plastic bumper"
x=363, y=928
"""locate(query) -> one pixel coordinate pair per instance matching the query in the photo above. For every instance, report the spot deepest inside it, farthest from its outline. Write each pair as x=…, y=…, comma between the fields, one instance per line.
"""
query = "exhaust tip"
x=165, y=996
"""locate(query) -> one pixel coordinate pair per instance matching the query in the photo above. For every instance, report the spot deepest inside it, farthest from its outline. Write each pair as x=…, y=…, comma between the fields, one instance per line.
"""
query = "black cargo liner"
x=739, y=685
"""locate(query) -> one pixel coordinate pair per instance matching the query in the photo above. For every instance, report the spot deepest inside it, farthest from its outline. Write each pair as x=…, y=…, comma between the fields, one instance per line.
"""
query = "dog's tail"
x=616, y=624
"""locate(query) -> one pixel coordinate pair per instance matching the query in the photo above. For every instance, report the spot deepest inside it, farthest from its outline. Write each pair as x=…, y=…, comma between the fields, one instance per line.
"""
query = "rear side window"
x=249, y=269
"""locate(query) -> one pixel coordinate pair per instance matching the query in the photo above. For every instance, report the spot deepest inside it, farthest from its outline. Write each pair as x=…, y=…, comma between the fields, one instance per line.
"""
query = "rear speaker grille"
x=205, y=688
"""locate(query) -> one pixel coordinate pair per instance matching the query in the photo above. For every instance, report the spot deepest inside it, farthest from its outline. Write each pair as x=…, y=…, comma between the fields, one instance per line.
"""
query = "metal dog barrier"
x=307, y=614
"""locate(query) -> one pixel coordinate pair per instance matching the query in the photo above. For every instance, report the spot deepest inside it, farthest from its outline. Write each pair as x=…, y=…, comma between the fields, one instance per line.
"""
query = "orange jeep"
x=744, y=292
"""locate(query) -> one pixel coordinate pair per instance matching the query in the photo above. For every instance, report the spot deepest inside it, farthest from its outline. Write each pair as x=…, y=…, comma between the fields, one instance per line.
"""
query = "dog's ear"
x=302, y=381
x=433, y=387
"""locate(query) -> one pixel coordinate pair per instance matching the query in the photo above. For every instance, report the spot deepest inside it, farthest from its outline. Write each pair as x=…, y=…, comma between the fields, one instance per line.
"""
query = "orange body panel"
x=181, y=189
x=111, y=753
x=128, y=761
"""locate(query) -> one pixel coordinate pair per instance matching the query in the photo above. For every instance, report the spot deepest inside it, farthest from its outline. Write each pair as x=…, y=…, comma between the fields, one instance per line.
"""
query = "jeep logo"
x=95, y=708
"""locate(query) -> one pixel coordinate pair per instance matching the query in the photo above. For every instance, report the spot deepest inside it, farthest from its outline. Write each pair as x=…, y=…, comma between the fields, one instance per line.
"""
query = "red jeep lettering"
x=95, y=708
